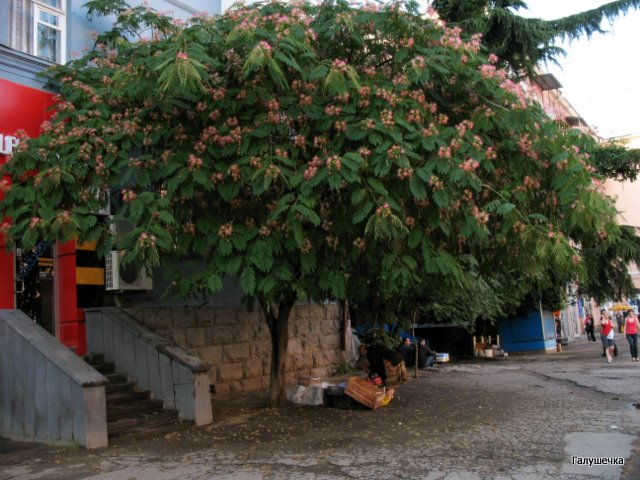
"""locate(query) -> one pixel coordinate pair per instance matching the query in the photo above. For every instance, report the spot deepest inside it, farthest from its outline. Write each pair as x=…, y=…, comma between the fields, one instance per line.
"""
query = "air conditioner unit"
x=124, y=277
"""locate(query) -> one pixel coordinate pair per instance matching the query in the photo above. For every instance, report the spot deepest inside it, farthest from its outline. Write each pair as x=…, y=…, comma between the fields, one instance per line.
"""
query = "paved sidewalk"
x=534, y=416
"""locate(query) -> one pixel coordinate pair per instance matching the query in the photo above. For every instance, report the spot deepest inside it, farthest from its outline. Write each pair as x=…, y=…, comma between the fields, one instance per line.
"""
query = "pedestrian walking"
x=631, y=327
x=590, y=328
x=607, y=335
x=558, y=334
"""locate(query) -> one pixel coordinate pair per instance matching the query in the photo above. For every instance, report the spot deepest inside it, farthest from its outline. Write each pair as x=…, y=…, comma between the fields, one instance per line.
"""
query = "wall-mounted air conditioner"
x=124, y=277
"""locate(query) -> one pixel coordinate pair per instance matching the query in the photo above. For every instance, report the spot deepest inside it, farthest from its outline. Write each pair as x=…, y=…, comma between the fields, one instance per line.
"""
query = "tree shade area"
x=313, y=152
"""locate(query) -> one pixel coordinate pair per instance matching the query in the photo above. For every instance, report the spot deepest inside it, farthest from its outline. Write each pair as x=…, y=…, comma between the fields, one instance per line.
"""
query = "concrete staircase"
x=131, y=412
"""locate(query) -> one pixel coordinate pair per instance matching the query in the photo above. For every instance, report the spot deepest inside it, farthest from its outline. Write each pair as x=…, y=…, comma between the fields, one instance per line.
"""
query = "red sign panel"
x=21, y=108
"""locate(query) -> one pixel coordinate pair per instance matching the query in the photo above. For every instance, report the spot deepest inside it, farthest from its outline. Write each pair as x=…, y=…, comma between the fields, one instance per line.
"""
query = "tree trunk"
x=279, y=328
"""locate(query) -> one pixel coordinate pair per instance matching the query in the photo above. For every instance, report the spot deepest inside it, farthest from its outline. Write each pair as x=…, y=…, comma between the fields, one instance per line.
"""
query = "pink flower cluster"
x=333, y=163
x=147, y=241
x=340, y=65
x=383, y=211
x=470, y=165
x=225, y=230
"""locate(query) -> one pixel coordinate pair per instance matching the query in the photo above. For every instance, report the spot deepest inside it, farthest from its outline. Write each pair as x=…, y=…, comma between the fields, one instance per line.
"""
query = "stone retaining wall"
x=236, y=344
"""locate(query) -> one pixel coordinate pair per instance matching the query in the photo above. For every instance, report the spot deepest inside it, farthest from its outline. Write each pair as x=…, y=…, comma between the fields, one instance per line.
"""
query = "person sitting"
x=426, y=356
x=386, y=363
x=407, y=350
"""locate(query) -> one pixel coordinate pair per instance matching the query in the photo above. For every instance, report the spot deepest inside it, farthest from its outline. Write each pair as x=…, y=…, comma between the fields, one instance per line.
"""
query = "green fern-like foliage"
x=617, y=161
x=522, y=43
x=311, y=152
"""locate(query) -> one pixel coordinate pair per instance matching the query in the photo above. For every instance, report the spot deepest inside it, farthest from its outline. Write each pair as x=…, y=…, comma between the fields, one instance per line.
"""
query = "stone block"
x=303, y=312
x=298, y=328
x=195, y=337
x=300, y=361
x=220, y=335
x=235, y=387
x=230, y=371
x=330, y=311
x=210, y=354
x=243, y=334
x=320, y=359
x=321, y=372
x=261, y=348
x=220, y=388
x=158, y=318
x=291, y=379
x=205, y=317
x=330, y=342
x=209, y=335
x=225, y=317
x=245, y=318
x=266, y=366
x=330, y=327
x=261, y=330
x=184, y=317
x=294, y=346
x=252, y=384
x=253, y=369
x=179, y=336
x=334, y=357
x=235, y=351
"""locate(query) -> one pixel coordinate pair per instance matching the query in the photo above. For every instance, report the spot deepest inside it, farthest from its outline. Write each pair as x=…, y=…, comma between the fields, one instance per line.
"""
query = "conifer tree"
x=524, y=43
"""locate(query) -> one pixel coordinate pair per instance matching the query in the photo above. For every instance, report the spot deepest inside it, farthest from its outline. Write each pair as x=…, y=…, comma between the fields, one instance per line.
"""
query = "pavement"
x=568, y=415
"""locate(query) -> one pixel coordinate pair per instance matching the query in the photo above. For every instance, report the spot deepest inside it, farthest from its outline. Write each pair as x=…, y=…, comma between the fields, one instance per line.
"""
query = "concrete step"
x=131, y=413
x=134, y=408
x=119, y=387
x=160, y=418
x=116, y=377
x=104, y=368
x=120, y=397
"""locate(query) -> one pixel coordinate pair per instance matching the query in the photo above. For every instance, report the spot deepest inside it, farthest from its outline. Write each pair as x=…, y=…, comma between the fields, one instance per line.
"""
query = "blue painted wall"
x=80, y=31
x=526, y=333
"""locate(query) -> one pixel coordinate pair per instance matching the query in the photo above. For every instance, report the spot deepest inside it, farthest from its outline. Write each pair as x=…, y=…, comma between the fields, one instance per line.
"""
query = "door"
x=34, y=284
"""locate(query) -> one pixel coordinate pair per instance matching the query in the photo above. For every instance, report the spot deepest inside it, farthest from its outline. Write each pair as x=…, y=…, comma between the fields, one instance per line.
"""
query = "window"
x=38, y=27
x=49, y=30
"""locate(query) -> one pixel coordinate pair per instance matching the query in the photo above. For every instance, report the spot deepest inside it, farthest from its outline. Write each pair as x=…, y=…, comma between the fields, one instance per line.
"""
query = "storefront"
x=42, y=282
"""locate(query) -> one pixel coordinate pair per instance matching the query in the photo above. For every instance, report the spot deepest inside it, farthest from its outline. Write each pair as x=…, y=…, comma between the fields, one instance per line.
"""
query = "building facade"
x=54, y=283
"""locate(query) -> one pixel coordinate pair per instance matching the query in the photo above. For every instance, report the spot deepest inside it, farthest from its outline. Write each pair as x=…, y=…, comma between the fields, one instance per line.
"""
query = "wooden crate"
x=364, y=392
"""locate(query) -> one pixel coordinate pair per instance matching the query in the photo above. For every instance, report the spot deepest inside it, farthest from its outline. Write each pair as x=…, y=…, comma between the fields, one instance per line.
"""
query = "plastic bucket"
x=442, y=357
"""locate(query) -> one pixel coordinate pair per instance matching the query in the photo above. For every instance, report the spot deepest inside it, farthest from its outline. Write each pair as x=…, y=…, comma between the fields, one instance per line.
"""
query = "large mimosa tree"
x=312, y=152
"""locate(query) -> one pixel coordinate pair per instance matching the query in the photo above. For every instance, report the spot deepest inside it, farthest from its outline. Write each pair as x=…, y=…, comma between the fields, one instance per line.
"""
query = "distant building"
x=545, y=89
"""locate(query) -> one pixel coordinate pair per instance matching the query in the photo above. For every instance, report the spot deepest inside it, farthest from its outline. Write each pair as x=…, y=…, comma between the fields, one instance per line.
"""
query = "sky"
x=600, y=77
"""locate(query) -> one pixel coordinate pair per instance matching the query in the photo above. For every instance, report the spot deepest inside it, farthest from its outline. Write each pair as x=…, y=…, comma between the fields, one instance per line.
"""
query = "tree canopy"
x=523, y=43
x=313, y=152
